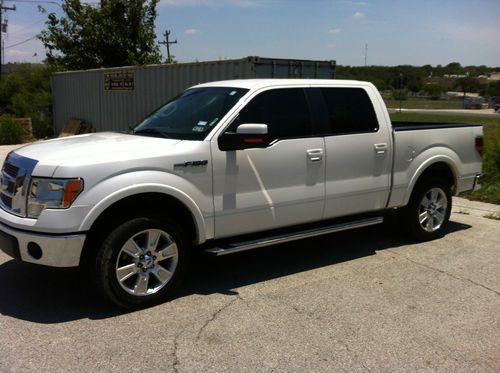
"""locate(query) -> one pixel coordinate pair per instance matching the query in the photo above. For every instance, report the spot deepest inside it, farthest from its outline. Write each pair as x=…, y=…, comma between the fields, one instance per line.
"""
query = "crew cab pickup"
x=224, y=167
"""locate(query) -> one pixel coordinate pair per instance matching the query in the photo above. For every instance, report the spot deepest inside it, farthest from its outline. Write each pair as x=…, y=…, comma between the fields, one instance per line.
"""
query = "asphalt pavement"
x=363, y=300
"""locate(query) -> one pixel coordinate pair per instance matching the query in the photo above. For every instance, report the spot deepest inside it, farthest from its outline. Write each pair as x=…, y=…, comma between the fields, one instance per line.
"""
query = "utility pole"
x=400, y=90
x=167, y=42
x=366, y=52
x=2, y=8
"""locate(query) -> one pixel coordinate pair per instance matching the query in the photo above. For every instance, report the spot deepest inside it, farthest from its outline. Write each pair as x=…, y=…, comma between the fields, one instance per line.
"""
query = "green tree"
x=453, y=68
x=493, y=89
x=434, y=90
x=113, y=33
x=466, y=84
x=26, y=93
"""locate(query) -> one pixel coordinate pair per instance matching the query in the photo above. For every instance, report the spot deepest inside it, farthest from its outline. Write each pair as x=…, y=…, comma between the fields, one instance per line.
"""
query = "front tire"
x=428, y=210
x=141, y=262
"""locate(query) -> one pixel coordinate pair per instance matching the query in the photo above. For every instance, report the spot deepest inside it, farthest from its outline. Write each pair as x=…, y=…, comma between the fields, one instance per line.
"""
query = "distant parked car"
x=497, y=108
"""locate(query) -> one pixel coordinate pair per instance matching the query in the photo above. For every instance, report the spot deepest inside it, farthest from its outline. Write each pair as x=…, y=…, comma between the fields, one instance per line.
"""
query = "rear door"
x=279, y=185
x=358, y=152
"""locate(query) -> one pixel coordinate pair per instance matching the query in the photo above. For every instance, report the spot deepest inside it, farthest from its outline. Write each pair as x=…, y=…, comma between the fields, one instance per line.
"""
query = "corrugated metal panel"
x=82, y=94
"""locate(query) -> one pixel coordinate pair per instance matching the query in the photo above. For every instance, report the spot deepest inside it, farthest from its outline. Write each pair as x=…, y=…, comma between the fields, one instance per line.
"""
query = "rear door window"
x=350, y=110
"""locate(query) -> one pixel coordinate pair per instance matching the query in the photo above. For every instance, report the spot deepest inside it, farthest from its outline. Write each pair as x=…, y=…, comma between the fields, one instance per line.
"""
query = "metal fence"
x=115, y=99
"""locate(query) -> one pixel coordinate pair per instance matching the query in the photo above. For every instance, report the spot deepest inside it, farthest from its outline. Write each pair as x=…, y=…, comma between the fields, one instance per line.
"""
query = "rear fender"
x=450, y=161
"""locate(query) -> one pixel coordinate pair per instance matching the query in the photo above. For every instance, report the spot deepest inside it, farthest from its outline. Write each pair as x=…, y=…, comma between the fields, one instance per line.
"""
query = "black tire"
x=425, y=224
x=112, y=256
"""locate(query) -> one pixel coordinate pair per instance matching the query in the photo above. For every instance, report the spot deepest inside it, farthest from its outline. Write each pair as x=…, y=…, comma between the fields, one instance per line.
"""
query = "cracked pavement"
x=365, y=300
x=362, y=300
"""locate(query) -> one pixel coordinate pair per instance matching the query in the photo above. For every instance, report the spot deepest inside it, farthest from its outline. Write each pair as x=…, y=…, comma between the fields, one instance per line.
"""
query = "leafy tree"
x=26, y=93
x=453, y=68
x=434, y=90
x=10, y=131
x=493, y=89
x=400, y=94
x=113, y=33
x=466, y=84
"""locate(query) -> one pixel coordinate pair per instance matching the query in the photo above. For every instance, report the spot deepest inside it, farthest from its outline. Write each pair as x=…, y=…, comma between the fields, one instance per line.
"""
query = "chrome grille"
x=10, y=169
x=16, y=173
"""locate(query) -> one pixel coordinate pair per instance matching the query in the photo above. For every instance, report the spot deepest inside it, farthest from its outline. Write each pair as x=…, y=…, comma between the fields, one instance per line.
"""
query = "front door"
x=280, y=185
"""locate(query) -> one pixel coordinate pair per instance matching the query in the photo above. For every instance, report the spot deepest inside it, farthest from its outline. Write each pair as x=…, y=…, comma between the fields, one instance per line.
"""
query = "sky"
x=399, y=32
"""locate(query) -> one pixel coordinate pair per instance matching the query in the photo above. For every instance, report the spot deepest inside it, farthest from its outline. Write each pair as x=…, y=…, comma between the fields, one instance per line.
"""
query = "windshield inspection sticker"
x=232, y=93
x=198, y=129
x=202, y=123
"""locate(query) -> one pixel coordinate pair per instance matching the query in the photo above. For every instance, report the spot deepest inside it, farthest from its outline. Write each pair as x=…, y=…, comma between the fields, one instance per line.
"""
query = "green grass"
x=422, y=103
x=490, y=191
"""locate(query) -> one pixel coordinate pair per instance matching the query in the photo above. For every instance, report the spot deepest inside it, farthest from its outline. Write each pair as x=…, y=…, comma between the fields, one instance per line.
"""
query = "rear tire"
x=141, y=262
x=428, y=210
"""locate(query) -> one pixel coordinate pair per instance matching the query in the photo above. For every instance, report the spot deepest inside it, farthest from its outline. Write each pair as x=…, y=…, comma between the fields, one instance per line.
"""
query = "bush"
x=10, y=131
x=434, y=90
x=400, y=94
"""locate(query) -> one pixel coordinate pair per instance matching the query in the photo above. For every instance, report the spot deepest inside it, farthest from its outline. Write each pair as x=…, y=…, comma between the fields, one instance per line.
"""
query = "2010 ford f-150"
x=225, y=167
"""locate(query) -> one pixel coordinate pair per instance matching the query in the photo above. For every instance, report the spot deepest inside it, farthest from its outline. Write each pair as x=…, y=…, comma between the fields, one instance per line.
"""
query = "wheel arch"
x=146, y=203
x=437, y=167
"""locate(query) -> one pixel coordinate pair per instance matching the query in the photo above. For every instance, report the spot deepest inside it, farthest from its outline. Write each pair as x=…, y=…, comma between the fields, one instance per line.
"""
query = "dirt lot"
x=365, y=300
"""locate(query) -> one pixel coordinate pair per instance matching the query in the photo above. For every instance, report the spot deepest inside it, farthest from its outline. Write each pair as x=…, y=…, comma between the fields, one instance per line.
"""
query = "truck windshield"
x=192, y=115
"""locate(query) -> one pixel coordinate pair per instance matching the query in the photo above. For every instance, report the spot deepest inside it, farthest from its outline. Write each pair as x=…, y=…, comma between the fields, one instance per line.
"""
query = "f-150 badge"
x=192, y=163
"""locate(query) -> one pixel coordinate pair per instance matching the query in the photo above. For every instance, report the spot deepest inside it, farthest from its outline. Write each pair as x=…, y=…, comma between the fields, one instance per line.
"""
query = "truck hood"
x=93, y=149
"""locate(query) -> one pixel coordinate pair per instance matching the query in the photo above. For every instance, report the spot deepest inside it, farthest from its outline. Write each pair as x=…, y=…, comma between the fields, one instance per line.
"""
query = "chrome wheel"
x=432, y=210
x=146, y=262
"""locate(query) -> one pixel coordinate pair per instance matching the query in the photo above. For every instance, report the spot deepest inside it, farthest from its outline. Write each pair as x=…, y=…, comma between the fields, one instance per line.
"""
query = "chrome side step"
x=273, y=240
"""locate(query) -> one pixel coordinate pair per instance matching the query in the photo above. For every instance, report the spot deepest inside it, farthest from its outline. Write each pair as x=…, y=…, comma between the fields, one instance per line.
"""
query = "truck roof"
x=261, y=83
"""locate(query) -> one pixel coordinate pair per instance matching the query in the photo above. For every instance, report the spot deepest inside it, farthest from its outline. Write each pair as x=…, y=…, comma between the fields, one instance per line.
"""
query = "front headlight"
x=52, y=194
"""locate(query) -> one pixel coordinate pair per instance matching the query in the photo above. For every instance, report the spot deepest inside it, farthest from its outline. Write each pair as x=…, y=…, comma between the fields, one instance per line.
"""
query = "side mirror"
x=252, y=129
x=248, y=135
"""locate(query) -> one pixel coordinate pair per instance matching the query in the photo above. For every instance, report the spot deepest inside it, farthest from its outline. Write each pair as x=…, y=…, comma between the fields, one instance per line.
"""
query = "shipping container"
x=115, y=99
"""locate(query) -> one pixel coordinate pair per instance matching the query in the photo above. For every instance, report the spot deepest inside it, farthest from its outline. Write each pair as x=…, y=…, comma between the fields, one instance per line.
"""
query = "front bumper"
x=54, y=250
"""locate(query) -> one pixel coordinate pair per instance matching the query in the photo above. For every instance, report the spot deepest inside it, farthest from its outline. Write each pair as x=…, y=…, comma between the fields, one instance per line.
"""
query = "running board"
x=274, y=240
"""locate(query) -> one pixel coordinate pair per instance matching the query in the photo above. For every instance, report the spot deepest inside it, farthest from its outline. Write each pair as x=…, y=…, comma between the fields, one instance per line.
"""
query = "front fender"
x=104, y=194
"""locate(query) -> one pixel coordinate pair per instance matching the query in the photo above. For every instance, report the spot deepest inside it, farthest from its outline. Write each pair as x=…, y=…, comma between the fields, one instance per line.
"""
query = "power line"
x=34, y=1
x=21, y=42
x=30, y=25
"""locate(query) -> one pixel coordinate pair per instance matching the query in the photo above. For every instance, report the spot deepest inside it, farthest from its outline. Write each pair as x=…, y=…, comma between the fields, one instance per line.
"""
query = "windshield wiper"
x=150, y=131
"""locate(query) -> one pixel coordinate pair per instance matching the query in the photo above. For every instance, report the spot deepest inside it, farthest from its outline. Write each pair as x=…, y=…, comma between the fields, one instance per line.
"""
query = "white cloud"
x=244, y=3
x=191, y=31
x=356, y=3
x=334, y=30
x=17, y=53
x=17, y=31
x=358, y=16
x=211, y=3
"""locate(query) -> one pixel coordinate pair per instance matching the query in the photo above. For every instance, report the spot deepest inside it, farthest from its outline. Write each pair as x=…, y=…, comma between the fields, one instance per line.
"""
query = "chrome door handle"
x=380, y=149
x=315, y=155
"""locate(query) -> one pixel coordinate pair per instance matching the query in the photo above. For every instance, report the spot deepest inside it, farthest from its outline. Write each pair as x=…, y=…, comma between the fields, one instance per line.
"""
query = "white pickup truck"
x=225, y=167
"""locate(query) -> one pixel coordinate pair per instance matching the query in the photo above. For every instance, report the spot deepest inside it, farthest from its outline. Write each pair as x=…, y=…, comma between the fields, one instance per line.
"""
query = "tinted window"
x=285, y=111
x=349, y=110
x=192, y=115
